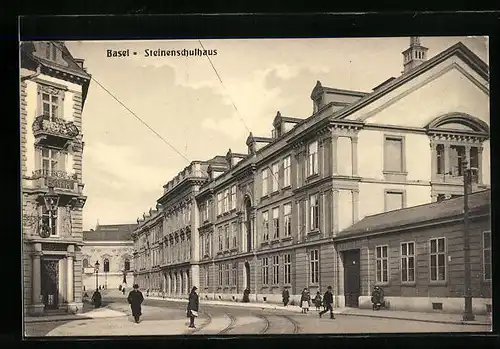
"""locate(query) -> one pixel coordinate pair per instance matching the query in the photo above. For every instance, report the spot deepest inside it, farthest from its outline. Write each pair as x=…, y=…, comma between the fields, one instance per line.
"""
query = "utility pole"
x=467, y=315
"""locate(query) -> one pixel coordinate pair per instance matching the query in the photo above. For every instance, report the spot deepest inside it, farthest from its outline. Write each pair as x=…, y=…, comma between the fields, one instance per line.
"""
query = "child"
x=317, y=301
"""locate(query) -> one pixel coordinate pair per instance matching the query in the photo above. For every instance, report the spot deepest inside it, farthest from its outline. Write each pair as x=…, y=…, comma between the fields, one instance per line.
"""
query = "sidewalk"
x=93, y=314
x=441, y=318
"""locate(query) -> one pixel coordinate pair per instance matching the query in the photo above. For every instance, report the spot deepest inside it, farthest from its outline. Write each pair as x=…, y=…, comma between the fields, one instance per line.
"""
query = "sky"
x=125, y=165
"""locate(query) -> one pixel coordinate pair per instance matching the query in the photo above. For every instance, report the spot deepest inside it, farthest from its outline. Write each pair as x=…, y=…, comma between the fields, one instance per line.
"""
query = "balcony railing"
x=56, y=179
x=54, y=127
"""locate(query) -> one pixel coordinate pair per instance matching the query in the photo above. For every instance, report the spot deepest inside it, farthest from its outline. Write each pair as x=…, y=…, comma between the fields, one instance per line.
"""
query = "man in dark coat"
x=192, y=308
x=97, y=299
x=285, y=296
x=135, y=299
x=328, y=303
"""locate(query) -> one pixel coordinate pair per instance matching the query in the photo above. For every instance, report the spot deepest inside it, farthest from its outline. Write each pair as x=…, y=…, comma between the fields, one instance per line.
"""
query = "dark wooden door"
x=352, y=284
x=50, y=283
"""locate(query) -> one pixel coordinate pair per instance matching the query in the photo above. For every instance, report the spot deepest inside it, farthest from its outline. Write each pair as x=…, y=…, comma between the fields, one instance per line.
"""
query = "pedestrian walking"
x=97, y=299
x=135, y=299
x=328, y=303
x=317, y=301
x=192, y=308
x=123, y=291
x=304, y=301
x=286, y=296
x=147, y=292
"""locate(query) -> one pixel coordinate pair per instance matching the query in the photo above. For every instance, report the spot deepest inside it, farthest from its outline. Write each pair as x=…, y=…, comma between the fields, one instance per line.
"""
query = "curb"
x=447, y=322
x=31, y=321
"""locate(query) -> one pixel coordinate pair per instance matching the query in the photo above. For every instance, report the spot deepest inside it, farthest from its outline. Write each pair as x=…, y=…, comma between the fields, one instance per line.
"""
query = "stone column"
x=335, y=213
x=480, y=165
x=334, y=155
x=355, y=206
x=433, y=159
x=354, y=155
x=37, y=281
x=447, y=168
x=69, y=273
x=467, y=155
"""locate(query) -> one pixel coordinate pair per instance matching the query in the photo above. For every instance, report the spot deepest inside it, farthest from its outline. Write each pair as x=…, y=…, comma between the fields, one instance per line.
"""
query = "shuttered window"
x=393, y=154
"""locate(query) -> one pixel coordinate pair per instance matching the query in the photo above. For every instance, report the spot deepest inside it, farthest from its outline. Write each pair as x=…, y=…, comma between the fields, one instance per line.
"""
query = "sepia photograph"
x=255, y=186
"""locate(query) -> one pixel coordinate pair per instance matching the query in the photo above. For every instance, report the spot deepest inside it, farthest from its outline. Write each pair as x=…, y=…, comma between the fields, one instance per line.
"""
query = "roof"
x=435, y=211
x=110, y=232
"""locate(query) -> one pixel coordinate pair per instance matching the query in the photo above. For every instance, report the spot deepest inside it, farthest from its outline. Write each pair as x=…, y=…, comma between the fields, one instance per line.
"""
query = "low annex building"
x=111, y=245
x=417, y=256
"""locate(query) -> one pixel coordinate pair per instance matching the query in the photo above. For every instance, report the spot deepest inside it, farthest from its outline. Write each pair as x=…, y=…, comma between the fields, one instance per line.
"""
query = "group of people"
x=305, y=301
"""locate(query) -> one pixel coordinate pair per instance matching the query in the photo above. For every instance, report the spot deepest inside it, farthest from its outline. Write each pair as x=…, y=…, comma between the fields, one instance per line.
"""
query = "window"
x=220, y=239
x=234, y=235
x=106, y=265
x=265, y=271
x=49, y=221
x=50, y=160
x=207, y=205
x=85, y=263
x=127, y=265
x=437, y=255
x=314, y=266
x=382, y=274
x=233, y=197
x=457, y=156
x=220, y=274
x=226, y=200
x=265, y=226
x=207, y=276
x=276, y=270
x=50, y=105
x=226, y=236
x=408, y=262
x=276, y=223
x=234, y=271
x=264, y=182
x=394, y=200
x=393, y=154
x=207, y=244
x=314, y=211
x=313, y=158
x=287, y=210
x=487, y=255
x=287, y=173
x=287, y=268
x=228, y=281
x=440, y=158
x=276, y=170
x=219, y=203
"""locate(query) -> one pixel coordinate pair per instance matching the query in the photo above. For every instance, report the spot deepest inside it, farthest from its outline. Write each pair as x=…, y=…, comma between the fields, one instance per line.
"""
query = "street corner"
x=122, y=326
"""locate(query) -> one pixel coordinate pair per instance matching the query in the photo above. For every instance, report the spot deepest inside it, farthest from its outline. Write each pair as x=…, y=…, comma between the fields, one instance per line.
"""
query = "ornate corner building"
x=271, y=218
x=54, y=87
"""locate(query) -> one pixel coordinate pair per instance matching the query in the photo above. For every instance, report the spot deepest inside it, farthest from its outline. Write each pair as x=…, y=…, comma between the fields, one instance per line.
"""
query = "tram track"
x=231, y=324
x=268, y=323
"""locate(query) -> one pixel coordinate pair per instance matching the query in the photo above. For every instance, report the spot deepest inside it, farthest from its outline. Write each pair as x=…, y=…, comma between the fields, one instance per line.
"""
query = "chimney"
x=415, y=55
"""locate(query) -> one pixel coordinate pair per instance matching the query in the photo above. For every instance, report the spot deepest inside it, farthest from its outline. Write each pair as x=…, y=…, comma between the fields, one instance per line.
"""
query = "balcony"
x=56, y=179
x=54, y=131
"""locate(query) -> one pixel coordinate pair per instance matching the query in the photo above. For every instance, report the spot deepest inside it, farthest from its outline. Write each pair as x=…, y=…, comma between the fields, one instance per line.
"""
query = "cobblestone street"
x=169, y=318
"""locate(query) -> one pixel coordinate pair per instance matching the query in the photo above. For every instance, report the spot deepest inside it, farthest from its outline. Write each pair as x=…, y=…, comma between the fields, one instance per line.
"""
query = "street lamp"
x=467, y=173
x=96, y=275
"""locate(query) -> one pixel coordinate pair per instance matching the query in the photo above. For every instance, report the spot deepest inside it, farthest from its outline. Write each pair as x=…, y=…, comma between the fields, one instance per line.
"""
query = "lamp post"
x=467, y=173
x=96, y=275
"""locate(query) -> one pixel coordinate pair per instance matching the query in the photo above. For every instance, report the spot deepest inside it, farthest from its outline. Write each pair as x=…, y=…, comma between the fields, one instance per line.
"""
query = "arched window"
x=85, y=263
x=106, y=265
x=127, y=264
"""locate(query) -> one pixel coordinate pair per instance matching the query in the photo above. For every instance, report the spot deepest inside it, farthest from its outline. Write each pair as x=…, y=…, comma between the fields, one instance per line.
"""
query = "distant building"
x=111, y=245
x=53, y=90
x=268, y=219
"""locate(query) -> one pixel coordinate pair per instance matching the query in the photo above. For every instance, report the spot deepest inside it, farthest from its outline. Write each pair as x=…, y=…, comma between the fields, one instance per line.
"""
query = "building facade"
x=417, y=256
x=54, y=87
x=112, y=246
x=268, y=219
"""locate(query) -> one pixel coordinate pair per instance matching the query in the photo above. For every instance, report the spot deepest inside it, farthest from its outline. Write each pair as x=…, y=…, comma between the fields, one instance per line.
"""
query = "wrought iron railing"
x=55, y=126
x=56, y=178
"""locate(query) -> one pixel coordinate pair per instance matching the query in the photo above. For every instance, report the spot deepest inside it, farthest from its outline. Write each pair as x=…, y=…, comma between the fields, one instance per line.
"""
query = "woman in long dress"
x=305, y=301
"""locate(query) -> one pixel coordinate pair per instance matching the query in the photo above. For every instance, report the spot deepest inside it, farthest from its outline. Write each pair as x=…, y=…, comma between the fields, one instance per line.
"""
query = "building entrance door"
x=247, y=275
x=352, y=284
x=50, y=283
